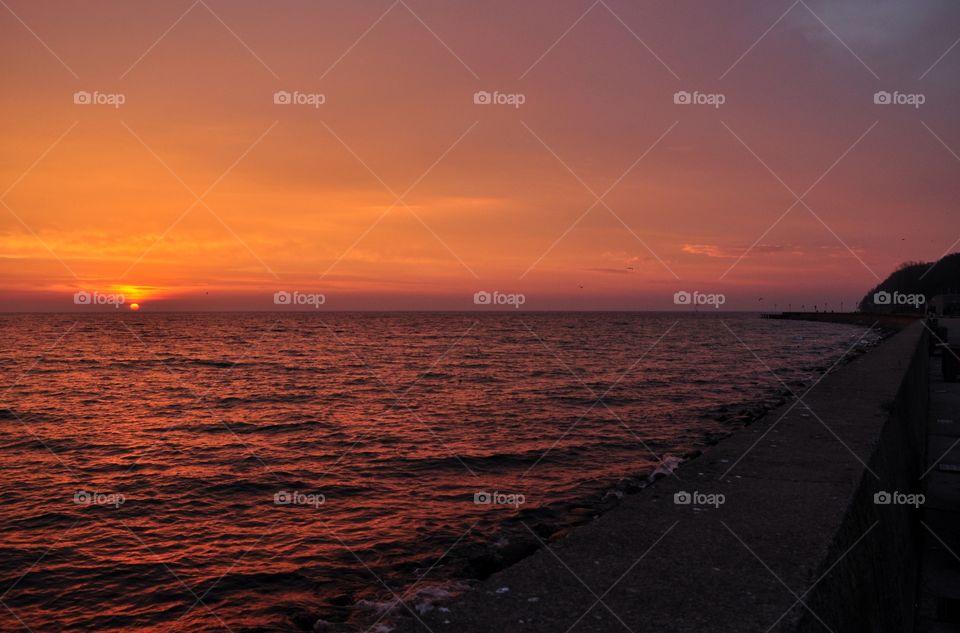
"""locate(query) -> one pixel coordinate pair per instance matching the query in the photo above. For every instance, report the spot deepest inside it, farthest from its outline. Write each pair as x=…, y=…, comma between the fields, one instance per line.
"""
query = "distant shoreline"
x=895, y=321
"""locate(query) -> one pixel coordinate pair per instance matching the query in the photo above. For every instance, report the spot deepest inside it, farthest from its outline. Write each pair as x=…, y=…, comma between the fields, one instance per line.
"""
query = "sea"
x=301, y=471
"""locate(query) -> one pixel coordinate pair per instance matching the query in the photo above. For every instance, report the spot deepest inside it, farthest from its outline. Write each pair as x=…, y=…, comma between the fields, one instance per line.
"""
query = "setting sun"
x=134, y=306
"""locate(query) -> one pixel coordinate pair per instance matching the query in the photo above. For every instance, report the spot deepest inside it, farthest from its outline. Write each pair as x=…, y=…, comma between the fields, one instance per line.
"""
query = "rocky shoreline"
x=476, y=562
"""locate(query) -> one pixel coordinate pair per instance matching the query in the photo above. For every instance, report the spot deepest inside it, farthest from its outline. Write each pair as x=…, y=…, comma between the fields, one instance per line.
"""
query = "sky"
x=148, y=152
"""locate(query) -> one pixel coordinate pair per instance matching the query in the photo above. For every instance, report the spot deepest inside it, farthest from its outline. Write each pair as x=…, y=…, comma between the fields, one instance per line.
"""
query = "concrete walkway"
x=939, y=607
x=799, y=544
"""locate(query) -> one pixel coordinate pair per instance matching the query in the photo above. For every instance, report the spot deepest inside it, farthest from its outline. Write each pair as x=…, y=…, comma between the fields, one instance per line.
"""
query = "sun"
x=134, y=306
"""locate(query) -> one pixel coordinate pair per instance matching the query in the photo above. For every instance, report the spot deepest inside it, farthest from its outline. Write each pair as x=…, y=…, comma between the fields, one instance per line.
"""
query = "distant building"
x=945, y=305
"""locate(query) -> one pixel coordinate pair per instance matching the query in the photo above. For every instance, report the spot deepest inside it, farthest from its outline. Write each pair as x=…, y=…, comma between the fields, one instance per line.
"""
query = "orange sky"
x=295, y=197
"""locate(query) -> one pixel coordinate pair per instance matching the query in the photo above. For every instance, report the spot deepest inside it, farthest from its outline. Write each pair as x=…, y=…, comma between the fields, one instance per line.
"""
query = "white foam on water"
x=667, y=465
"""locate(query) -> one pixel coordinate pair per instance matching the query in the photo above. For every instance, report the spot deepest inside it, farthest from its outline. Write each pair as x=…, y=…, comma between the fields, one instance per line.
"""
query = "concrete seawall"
x=874, y=587
x=797, y=545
